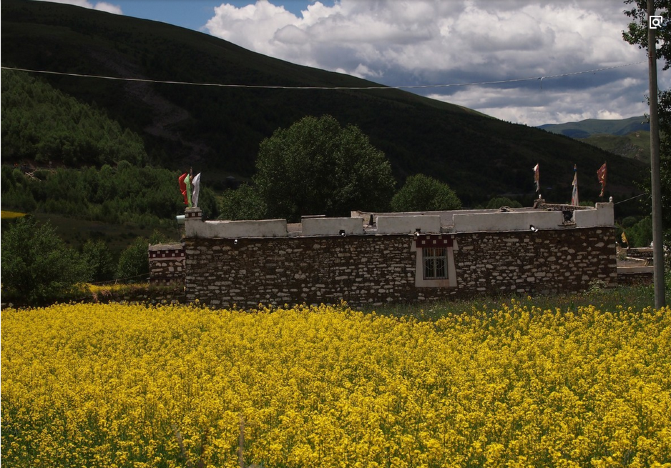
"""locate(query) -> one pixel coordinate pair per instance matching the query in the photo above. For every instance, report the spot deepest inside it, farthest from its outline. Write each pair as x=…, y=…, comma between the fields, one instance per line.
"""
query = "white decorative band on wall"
x=332, y=226
x=235, y=229
x=507, y=221
x=408, y=224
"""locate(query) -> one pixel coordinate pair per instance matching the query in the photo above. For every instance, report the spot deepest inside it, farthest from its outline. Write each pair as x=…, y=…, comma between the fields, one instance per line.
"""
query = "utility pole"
x=657, y=234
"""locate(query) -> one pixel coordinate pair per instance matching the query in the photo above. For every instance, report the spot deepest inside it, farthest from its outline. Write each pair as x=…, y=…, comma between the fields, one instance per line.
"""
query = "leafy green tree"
x=133, y=264
x=423, y=193
x=640, y=234
x=37, y=266
x=99, y=260
x=242, y=203
x=318, y=167
x=207, y=202
x=498, y=202
x=637, y=34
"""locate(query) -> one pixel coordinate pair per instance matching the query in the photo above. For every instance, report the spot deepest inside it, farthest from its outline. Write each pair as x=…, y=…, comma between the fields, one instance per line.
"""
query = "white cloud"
x=397, y=42
x=102, y=6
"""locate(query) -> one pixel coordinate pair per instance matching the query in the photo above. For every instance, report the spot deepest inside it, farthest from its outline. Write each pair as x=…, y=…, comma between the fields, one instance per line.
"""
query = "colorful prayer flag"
x=574, y=196
x=624, y=238
x=196, y=189
x=601, y=175
x=187, y=181
x=182, y=187
x=537, y=177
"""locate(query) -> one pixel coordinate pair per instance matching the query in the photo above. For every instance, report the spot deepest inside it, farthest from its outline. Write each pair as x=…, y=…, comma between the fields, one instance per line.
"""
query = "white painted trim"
x=420, y=282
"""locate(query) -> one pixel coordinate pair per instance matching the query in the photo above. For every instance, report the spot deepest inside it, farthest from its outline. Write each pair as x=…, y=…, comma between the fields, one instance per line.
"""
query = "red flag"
x=601, y=175
x=182, y=187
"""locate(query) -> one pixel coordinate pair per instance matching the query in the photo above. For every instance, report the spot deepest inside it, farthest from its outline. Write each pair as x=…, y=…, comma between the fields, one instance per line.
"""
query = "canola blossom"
x=139, y=386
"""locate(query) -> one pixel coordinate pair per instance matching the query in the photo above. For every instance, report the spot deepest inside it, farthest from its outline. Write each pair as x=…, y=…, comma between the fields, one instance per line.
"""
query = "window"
x=435, y=263
x=435, y=267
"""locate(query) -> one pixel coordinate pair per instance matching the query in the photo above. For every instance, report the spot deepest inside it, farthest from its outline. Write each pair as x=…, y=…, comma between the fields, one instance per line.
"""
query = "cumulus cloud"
x=102, y=6
x=398, y=42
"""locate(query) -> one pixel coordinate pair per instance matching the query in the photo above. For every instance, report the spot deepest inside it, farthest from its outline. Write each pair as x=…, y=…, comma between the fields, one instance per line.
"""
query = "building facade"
x=378, y=258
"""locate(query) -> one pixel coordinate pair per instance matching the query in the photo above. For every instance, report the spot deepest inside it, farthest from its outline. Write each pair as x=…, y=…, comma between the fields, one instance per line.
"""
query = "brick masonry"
x=376, y=269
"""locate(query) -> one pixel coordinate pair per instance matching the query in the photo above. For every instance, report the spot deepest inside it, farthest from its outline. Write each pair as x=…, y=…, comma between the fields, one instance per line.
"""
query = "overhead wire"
x=337, y=88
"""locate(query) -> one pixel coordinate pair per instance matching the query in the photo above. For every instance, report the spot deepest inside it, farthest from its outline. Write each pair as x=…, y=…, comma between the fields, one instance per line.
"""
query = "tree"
x=498, y=202
x=99, y=260
x=245, y=202
x=37, y=266
x=318, y=167
x=133, y=264
x=423, y=193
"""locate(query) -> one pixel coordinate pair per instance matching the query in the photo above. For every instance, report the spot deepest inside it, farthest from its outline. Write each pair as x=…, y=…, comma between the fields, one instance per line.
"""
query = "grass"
x=605, y=299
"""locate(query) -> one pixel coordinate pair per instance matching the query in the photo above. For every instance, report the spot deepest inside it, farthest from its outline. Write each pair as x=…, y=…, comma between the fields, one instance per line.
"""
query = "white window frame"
x=421, y=282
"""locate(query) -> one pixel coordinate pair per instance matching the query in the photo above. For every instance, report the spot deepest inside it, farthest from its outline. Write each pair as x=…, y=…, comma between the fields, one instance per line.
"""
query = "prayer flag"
x=601, y=175
x=574, y=196
x=624, y=238
x=537, y=177
x=182, y=187
x=196, y=189
x=187, y=181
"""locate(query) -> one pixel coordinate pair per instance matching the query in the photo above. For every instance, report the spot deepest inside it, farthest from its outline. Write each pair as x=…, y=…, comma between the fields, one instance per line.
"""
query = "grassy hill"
x=591, y=127
x=218, y=129
x=634, y=145
x=626, y=137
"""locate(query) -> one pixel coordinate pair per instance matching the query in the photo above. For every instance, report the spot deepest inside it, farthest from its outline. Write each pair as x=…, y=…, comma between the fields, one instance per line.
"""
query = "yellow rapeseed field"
x=184, y=386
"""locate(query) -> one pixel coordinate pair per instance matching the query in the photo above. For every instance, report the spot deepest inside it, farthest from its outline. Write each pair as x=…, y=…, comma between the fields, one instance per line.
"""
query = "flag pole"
x=657, y=234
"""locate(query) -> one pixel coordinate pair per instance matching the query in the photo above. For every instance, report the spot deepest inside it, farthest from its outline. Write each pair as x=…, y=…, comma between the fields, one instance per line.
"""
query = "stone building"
x=376, y=258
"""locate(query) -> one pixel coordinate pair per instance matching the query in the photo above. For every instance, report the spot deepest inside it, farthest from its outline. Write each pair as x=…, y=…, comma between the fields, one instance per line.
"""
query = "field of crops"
x=184, y=386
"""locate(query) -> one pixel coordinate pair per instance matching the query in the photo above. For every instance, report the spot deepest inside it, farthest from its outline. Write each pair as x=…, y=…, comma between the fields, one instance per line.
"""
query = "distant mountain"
x=217, y=129
x=626, y=137
x=589, y=127
x=635, y=145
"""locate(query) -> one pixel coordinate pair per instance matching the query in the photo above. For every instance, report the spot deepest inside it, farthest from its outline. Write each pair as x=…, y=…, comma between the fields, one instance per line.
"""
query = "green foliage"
x=125, y=194
x=637, y=34
x=133, y=264
x=423, y=193
x=99, y=260
x=318, y=167
x=42, y=124
x=37, y=266
x=207, y=201
x=245, y=202
x=498, y=202
x=640, y=234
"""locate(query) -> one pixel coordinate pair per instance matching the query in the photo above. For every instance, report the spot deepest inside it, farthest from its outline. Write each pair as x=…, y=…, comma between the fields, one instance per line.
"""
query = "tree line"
x=41, y=124
x=143, y=196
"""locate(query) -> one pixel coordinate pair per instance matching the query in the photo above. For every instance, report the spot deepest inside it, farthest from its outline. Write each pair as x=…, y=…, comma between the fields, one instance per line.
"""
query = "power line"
x=637, y=196
x=337, y=88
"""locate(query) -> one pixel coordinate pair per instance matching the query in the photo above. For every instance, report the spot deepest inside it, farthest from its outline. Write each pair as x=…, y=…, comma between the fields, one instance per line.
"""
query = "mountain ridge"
x=220, y=128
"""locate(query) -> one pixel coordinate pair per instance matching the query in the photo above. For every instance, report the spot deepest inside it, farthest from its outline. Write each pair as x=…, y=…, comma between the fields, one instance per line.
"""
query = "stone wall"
x=375, y=269
x=166, y=264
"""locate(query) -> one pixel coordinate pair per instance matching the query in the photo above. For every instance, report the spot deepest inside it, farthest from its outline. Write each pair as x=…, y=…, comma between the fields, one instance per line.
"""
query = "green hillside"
x=217, y=130
x=634, y=145
x=591, y=127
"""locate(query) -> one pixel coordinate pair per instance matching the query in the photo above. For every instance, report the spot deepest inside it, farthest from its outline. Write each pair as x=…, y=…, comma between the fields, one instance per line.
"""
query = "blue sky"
x=491, y=53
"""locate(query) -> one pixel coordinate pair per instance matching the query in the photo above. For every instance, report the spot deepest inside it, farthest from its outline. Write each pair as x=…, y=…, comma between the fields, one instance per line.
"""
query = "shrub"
x=37, y=266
